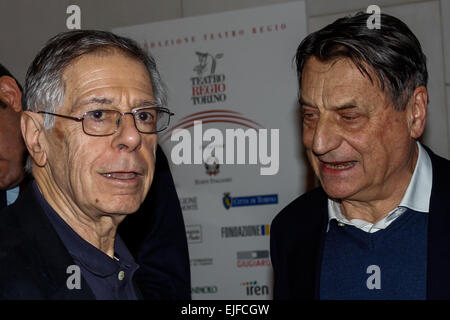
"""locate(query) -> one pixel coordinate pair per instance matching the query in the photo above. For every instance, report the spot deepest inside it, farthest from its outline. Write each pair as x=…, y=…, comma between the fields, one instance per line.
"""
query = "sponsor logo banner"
x=253, y=288
x=212, y=180
x=207, y=86
x=254, y=258
x=204, y=289
x=188, y=203
x=202, y=262
x=245, y=231
x=194, y=233
x=229, y=201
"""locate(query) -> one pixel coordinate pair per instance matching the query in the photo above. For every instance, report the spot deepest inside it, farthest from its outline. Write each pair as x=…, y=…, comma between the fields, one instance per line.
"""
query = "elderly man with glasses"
x=94, y=103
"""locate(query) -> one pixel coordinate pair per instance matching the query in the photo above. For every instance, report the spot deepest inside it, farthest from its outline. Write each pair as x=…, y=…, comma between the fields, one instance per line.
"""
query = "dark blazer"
x=298, y=233
x=2, y=199
x=33, y=260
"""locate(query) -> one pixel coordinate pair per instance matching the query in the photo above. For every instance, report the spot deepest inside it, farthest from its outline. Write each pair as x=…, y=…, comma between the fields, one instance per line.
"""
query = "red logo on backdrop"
x=211, y=116
x=208, y=87
x=254, y=258
x=212, y=165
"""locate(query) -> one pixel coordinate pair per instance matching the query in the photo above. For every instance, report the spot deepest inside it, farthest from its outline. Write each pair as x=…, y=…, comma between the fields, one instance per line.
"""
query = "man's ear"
x=34, y=136
x=418, y=112
x=10, y=93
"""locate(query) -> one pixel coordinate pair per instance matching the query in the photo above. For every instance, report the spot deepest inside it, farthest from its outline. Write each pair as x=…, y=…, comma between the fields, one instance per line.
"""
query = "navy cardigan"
x=298, y=233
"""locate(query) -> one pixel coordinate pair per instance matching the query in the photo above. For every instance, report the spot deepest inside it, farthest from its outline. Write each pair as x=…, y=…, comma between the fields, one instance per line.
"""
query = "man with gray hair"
x=93, y=103
x=378, y=226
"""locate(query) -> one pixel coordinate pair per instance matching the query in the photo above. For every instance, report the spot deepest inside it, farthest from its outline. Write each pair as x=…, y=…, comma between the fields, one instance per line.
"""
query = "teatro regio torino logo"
x=254, y=144
x=207, y=86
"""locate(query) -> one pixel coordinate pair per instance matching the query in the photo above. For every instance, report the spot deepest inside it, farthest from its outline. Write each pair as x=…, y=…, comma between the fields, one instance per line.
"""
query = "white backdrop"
x=231, y=70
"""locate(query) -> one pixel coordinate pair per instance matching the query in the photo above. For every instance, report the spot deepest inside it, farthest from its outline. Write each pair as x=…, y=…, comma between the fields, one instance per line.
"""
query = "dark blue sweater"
x=388, y=264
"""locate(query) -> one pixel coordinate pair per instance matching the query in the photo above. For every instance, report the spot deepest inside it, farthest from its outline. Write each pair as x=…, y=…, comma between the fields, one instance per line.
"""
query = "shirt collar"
x=418, y=194
x=12, y=195
x=416, y=197
x=86, y=254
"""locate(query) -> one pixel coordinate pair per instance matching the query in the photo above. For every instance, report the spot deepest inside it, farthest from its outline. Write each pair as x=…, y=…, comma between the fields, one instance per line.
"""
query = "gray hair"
x=44, y=85
x=393, y=53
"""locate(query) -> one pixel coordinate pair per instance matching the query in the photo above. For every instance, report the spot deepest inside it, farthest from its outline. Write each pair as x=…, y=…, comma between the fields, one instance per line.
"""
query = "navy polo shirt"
x=108, y=278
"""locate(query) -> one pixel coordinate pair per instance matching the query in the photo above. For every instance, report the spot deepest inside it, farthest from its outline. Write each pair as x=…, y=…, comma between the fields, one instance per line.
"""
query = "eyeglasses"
x=106, y=122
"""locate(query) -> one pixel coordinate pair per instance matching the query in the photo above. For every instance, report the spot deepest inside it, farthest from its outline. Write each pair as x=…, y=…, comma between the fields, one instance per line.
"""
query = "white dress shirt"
x=416, y=197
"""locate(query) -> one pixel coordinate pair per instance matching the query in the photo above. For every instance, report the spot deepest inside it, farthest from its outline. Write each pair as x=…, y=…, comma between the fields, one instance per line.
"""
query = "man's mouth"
x=339, y=165
x=121, y=175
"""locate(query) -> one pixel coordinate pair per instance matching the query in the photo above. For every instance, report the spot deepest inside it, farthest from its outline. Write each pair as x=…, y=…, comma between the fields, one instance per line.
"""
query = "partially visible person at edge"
x=12, y=148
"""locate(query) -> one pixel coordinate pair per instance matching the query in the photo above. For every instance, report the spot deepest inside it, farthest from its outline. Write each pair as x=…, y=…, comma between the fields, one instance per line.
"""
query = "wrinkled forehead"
x=340, y=69
x=106, y=77
x=336, y=78
x=114, y=57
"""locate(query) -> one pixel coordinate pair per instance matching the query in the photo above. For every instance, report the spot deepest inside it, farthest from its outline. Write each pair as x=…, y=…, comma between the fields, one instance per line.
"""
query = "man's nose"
x=127, y=136
x=327, y=136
